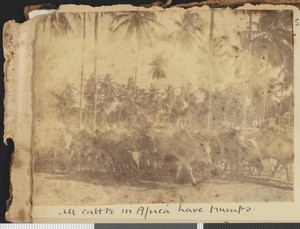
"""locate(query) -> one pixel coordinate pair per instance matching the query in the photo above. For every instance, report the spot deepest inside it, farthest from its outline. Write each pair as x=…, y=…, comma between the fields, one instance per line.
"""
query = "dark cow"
x=184, y=148
x=125, y=148
x=85, y=153
x=80, y=151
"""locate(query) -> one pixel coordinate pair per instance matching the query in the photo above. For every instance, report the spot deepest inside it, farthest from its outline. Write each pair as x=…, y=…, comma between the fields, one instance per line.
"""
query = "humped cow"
x=127, y=149
x=277, y=145
x=229, y=148
x=181, y=148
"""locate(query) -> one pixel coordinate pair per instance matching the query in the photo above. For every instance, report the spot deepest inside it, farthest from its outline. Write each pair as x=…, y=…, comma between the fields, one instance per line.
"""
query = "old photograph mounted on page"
x=156, y=106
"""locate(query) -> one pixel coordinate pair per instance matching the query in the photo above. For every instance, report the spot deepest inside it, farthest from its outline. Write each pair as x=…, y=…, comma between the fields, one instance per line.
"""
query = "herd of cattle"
x=159, y=153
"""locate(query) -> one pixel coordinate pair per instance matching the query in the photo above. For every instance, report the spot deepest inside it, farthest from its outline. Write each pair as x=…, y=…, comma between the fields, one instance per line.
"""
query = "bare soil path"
x=60, y=189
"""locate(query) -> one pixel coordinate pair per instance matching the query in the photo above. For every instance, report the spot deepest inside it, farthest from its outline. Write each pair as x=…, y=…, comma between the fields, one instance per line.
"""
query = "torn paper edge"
x=20, y=210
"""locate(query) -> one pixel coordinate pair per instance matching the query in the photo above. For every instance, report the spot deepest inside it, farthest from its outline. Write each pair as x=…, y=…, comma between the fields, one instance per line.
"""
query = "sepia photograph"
x=163, y=106
x=159, y=106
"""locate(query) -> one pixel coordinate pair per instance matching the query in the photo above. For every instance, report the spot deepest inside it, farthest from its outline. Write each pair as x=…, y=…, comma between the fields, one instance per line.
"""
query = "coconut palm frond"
x=158, y=63
x=158, y=73
x=158, y=24
x=139, y=22
x=149, y=30
x=120, y=26
x=190, y=30
x=109, y=13
x=77, y=16
x=178, y=23
x=121, y=17
x=199, y=29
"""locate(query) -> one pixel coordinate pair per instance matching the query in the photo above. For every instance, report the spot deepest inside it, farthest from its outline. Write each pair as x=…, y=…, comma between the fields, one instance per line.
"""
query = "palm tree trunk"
x=120, y=115
x=225, y=114
x=265, y=95
x=280, y=104
x=65, y=113
x=211, y=59
x=136, y=68
x=180, y=121
x=37, y=101
x=103, y=116
x=184, y=55
x=85, y=116
x=95, y=72
x=291, y=116
x=81, y=80
x=249, y=72
x=183, y=78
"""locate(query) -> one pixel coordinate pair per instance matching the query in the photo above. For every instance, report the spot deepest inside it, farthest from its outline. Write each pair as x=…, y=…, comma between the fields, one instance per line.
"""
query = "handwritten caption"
x=146, y=212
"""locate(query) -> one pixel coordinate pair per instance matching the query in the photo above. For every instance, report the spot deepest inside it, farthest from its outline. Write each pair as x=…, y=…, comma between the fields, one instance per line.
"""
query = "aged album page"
x=130, y=114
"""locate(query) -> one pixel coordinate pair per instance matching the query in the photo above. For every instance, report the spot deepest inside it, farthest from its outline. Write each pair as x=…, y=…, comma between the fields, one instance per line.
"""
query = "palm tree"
x=216, y=54
x=96, y=24
x=211, y=59
x=61, y=25
x=188, y=34
x=168, y=100
x=138, y=23
x=158, y=64
x=89, y=92
x=286, y=76
x=272, y=41
x=248, y=40
x=107, y=95
x=82, y=72
x=58, y=23
x=66, y=100
x=153, y=100
x=95, y=71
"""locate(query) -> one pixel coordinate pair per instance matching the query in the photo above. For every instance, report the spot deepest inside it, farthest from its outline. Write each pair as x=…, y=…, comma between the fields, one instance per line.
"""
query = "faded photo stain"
x=21, y=215
x=17, y=163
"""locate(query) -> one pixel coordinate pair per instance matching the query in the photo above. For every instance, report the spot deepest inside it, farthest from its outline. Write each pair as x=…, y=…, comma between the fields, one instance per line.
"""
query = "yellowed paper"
x=154, y=115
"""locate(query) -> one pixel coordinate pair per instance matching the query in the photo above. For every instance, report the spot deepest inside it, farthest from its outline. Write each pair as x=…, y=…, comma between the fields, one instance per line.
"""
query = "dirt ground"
x=60, y=189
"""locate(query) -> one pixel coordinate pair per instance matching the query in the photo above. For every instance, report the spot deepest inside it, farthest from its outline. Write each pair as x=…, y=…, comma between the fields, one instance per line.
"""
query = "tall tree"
x=58, y=25
x=142, y=24
x=219, y=54
x=82, y=71
x=188, y=34
x=153, y=101
x=211, y=60
x=107, y=95
x=95, y=71
x=287, y=80
x=168, y=101
x=89, y=95
x=66, y=101
x=272, y=41
x=249, y=41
